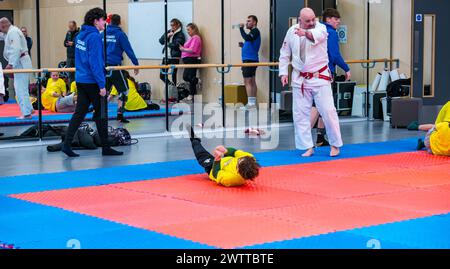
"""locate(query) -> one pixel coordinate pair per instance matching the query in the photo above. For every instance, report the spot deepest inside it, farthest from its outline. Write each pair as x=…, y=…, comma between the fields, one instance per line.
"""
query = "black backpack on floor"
x=120, y=137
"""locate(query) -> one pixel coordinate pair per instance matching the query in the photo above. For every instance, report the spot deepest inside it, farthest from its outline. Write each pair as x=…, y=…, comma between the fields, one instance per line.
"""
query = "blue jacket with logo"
x=334, y=53
x=116, y=44
x=89, y=59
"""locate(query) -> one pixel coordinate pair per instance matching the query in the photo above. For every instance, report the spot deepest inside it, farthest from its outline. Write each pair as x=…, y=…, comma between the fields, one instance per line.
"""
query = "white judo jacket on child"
x=311, y=81
x=16, y=53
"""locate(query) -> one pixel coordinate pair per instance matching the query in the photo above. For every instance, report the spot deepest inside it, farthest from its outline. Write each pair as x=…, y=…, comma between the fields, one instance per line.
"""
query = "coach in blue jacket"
x=332, y=20
x=91, y=81
x=116, y=44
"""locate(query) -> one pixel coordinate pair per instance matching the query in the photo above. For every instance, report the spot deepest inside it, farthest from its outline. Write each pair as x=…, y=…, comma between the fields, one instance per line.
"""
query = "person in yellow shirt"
x=228, y=167
x=54, y=97
x=134, y=101
x=73, y=87
x=437, y=140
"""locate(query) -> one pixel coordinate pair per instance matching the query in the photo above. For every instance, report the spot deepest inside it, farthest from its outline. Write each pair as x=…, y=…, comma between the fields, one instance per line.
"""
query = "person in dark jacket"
x=116, y=44
x=91, y=81
x=176, y=38
x=70, y=47
x=332, y=20
x=28, y=38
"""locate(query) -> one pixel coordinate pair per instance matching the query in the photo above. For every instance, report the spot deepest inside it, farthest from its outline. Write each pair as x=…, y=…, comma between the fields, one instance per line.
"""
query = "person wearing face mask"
x=175, y=38
x=91, y=81
x=306, y=43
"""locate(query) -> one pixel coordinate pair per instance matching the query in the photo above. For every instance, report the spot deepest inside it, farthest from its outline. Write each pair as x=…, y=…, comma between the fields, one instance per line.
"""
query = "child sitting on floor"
x=54, y=97
x=437, y=140
x=226, y=166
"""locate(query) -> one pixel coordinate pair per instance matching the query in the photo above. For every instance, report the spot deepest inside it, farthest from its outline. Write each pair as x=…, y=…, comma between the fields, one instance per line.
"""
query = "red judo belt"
x=318, y=74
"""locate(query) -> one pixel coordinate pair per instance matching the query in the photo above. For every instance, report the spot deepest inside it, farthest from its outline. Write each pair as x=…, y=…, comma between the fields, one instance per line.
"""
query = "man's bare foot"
x=308, y=153
x=335, y=151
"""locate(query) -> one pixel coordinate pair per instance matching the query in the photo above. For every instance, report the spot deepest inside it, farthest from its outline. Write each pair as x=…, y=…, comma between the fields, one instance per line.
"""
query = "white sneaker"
x=248, y=107
x=187, y=100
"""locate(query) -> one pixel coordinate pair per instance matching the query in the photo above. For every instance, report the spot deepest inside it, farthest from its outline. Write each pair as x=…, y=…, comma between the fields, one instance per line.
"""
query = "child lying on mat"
x=437, y=140
x=226, y=166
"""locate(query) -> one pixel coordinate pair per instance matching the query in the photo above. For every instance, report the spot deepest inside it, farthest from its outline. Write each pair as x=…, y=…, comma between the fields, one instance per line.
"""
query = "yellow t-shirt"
x=73, y=87
x=227, y=174
x=48, y=100
x=444, y=114
x=440, y=139
x=135, y=101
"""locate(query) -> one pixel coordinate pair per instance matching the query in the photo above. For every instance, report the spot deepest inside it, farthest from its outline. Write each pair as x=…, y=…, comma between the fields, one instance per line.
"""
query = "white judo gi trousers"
x=21, y=86
x=319, y=91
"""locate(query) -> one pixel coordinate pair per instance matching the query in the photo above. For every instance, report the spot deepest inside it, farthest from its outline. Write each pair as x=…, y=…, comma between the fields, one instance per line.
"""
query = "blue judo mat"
x=28, y=225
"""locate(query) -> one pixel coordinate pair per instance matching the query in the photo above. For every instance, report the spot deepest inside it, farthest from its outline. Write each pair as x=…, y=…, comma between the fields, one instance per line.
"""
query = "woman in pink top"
x=191, y=53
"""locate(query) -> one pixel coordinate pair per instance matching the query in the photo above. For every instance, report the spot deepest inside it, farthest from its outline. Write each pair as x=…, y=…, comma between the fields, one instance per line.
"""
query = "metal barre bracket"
x=368, y=65
x=225, y=70
x=166, y=73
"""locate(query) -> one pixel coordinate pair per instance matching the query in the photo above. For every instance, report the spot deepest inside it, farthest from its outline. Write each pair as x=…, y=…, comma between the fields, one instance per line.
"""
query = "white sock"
x=252, y=101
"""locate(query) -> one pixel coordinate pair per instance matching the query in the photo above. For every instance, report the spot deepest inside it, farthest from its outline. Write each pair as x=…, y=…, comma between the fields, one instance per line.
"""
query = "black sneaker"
x=321, y=142
x=122, y=119
x=420, y=144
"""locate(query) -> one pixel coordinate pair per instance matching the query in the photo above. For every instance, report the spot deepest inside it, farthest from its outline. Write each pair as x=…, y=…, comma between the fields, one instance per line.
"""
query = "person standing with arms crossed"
x=175, y=36
x=91, y=81
x=306, y=43
x=250, y=54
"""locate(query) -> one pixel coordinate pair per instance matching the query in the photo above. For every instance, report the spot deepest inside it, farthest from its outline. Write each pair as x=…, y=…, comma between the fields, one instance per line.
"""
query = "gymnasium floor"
x=379, y=193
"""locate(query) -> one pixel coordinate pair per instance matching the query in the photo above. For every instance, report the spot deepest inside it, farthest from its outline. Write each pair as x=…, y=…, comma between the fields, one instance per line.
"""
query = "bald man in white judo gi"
x=306, y=44
x=16, y=53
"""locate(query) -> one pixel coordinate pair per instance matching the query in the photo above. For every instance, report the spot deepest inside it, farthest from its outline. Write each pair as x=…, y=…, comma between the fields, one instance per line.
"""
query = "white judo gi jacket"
x=310, y=57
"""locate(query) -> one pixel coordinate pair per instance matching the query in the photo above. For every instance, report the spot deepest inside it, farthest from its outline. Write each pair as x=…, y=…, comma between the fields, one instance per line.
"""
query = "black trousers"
x=118, y=80
x=89, y=94
x=204, y=158
x=6, y=84
x=175, y=71
x=190, y=74
x=70, y=63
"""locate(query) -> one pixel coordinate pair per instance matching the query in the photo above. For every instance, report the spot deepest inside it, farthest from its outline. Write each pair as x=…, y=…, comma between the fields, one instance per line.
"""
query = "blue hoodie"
x=116, y=43
x=334, y=54
x=89, y=59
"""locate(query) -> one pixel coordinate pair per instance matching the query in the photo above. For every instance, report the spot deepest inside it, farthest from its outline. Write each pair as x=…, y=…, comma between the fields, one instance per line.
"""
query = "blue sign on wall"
x=419, y=17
